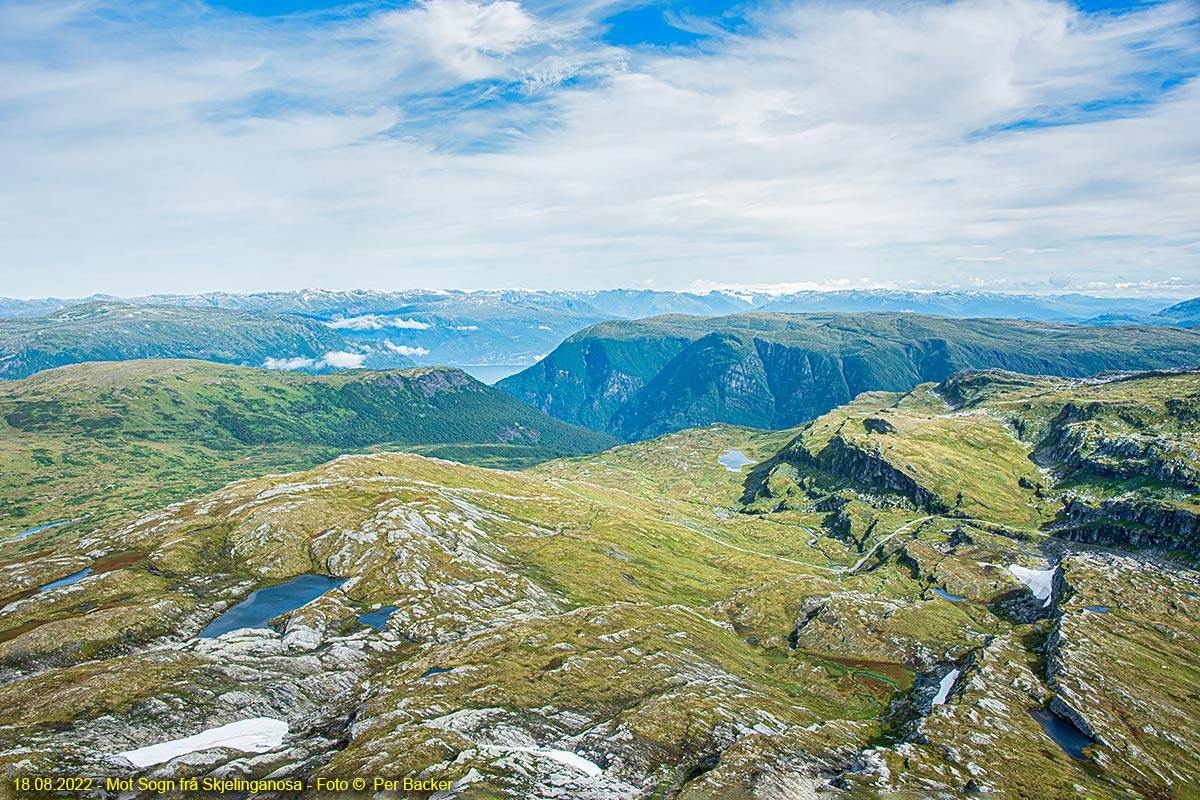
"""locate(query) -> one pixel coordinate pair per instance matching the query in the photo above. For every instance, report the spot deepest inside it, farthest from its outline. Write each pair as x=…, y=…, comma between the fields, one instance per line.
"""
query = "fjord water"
x=261, y=606
x=491, y=373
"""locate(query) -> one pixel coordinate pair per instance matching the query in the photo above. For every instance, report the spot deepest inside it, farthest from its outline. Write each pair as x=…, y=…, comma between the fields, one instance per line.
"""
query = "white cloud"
x=827, y=142
x=468, y=39
x=405, y=350
x=465, y=328
x=340, y=359
x=336, y=359
x=289, y=363
x=374, y=322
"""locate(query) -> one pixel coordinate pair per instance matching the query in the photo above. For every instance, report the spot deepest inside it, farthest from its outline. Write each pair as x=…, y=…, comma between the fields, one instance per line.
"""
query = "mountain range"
x=109, y=331
x=638, y=379
x=518, y=327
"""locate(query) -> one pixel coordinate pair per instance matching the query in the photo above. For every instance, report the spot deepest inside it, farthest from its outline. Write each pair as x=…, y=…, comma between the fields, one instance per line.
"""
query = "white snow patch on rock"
x=1039, y=581
x=945, y=686
x=257, y=735
x=561, y=756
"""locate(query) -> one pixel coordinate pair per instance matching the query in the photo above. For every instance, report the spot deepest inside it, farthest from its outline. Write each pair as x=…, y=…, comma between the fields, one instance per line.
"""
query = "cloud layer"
x=995, y=144
x=335, y=359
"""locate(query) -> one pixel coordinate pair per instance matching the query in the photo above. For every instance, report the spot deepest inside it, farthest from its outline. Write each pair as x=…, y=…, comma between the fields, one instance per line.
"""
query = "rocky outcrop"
x=1088, y=445
x=870, y=468
x=1130, y=523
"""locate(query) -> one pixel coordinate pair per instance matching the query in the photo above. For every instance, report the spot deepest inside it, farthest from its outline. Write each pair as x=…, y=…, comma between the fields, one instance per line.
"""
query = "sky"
x=252, y=145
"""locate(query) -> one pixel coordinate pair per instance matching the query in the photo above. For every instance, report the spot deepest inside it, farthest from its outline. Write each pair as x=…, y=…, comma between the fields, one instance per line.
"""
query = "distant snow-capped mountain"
x=518, y=326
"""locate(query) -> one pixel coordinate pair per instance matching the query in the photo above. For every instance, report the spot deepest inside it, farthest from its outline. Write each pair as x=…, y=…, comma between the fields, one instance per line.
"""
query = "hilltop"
x=642, y=378
x=106, y=440
x=1185, y=314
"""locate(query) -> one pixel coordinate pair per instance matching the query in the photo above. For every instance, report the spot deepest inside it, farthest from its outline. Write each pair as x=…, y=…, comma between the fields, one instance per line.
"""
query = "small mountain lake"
x=1063, y=732
x=377, y=618
x=67, y=581
x=25, y=534
x=953, y=598
x=265, y=604
x=734, y=460
x=1097, y=609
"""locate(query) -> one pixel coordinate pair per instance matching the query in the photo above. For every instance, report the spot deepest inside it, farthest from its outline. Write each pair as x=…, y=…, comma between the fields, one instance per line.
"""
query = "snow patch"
x=257, y=735
x=1039, y=581
x=561, y=756
x=945, y=686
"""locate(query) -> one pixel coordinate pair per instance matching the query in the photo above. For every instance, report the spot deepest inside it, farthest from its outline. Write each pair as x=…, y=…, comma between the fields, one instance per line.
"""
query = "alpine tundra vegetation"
x=984, y=585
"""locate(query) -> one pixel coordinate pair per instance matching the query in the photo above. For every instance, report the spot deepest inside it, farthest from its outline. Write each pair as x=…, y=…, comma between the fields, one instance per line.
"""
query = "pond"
x=953, y=598
x=25, y=534
x=67, y=581
x=265, y=604
x=1097, y=609
x=1063, y=732
x=377, y=618
x=734, y=460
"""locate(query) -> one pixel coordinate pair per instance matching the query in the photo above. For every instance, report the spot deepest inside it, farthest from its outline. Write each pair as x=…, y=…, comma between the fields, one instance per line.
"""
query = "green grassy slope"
x=639, y=379
x=109, y=331
x=109, y=439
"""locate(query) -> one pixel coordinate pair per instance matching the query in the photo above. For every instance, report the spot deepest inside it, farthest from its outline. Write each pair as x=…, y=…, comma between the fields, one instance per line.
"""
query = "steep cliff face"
x=1109, y=460
x=1131, y=523
x=1089, y=446
x=868, y=467
x=643, y=378
x=590, y=378
x=717, y=377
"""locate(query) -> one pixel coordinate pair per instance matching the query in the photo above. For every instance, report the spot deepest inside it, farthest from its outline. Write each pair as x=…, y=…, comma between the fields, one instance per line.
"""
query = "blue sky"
x=1012, y=145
